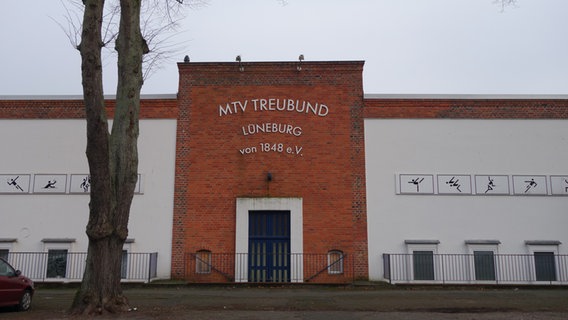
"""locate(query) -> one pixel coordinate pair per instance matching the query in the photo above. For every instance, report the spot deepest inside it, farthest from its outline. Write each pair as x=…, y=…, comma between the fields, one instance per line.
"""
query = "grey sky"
x=409, y=46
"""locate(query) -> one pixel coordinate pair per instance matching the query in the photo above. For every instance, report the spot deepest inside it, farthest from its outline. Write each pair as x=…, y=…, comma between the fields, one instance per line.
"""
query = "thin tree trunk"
x=131, y=47
x=113, y=159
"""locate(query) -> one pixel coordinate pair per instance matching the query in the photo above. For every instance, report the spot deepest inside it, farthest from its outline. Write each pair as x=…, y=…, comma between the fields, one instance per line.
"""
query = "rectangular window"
x=56, y=263
x=484, y=262
x=482, y=259
x=423, y=264
x=544, y=266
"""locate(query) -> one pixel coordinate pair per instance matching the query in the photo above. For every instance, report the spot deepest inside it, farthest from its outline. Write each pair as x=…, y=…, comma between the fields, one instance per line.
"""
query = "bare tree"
x=112, y=157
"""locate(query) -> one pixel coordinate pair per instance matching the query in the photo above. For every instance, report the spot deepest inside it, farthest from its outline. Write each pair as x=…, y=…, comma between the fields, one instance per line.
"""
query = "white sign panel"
x=50, y=183
x=416, y=183
x=559, y=185
x=454, y=184
x=80, y=183
x=529, y=185
x=15, y=183
x=492, y=185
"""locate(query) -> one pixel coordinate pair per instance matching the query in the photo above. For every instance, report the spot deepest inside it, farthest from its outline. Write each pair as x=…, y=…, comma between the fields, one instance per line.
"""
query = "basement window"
x=335, y=262
x=423, y=253
x=203, y=261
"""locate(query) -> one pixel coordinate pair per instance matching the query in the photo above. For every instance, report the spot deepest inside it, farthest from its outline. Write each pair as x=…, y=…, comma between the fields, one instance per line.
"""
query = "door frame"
x=244, y=205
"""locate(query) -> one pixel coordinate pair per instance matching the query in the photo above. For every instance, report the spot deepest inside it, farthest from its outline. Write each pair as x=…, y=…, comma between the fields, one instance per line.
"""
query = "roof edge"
x=467, y=96
x=80, y=97
x=273, y=62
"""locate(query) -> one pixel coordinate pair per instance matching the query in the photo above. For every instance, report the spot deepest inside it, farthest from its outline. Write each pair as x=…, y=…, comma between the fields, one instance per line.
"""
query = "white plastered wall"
x=454, y=147
x=58, y=147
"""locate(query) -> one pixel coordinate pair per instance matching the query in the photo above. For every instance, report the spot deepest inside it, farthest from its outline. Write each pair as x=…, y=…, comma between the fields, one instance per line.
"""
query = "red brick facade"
x=318, y=155
x=467, y=108
x=46, y=108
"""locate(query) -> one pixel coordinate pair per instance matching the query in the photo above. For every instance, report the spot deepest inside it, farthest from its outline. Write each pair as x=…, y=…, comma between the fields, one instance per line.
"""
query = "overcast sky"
x=409, y=46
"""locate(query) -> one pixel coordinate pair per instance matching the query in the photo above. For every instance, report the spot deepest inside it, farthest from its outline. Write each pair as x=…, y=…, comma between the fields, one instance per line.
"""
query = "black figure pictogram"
x=12, y=182
x=416, y=182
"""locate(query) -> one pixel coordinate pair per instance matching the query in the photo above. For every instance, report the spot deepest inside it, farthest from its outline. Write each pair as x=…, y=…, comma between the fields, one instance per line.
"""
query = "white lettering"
x=323, y=110
x=242, y=106
x=248, y=150
x=274, y=104
x=311, y=108
x=298, y=108
x=291, y=106
x=297, y=131
x=224, y=111
x=271, y=127
x=263, y=105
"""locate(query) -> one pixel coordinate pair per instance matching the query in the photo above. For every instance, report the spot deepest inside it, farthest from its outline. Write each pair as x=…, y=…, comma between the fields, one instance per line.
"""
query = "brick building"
x=288, y=172
x=273, y=139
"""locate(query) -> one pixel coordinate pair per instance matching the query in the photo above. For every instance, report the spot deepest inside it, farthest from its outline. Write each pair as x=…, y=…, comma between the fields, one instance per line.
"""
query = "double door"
x=269, y=246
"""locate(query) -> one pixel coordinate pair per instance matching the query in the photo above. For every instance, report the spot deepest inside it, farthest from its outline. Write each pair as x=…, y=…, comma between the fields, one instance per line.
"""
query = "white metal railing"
x=476, y=269
x=70, y=266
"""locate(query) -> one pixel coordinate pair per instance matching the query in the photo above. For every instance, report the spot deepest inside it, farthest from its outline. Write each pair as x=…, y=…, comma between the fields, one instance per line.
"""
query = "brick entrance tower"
x=275, y=137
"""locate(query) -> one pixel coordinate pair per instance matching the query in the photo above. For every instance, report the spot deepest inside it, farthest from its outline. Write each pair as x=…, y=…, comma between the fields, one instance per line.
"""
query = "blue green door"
x=269, y=246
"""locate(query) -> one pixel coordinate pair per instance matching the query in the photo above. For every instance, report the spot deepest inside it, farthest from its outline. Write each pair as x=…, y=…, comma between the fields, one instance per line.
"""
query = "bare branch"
x=160, y=21
x=110, y=18
x=73, y=21
x=160, y=26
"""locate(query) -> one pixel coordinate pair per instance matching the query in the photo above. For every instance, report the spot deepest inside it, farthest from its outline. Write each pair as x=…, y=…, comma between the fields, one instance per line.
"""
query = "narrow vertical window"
x=545, y=267
x=335, y=262
x=203, y=261
x=422, y=253
x=544, y=257
x=483, y=259
x=423, y=263
x=484, y=262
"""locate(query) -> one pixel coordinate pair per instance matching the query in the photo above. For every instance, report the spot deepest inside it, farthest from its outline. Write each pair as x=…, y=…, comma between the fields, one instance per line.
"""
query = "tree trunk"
x=113, y=159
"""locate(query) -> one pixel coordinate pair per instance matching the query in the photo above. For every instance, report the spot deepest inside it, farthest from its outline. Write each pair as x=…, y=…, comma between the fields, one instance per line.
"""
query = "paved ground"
x=316, y=302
